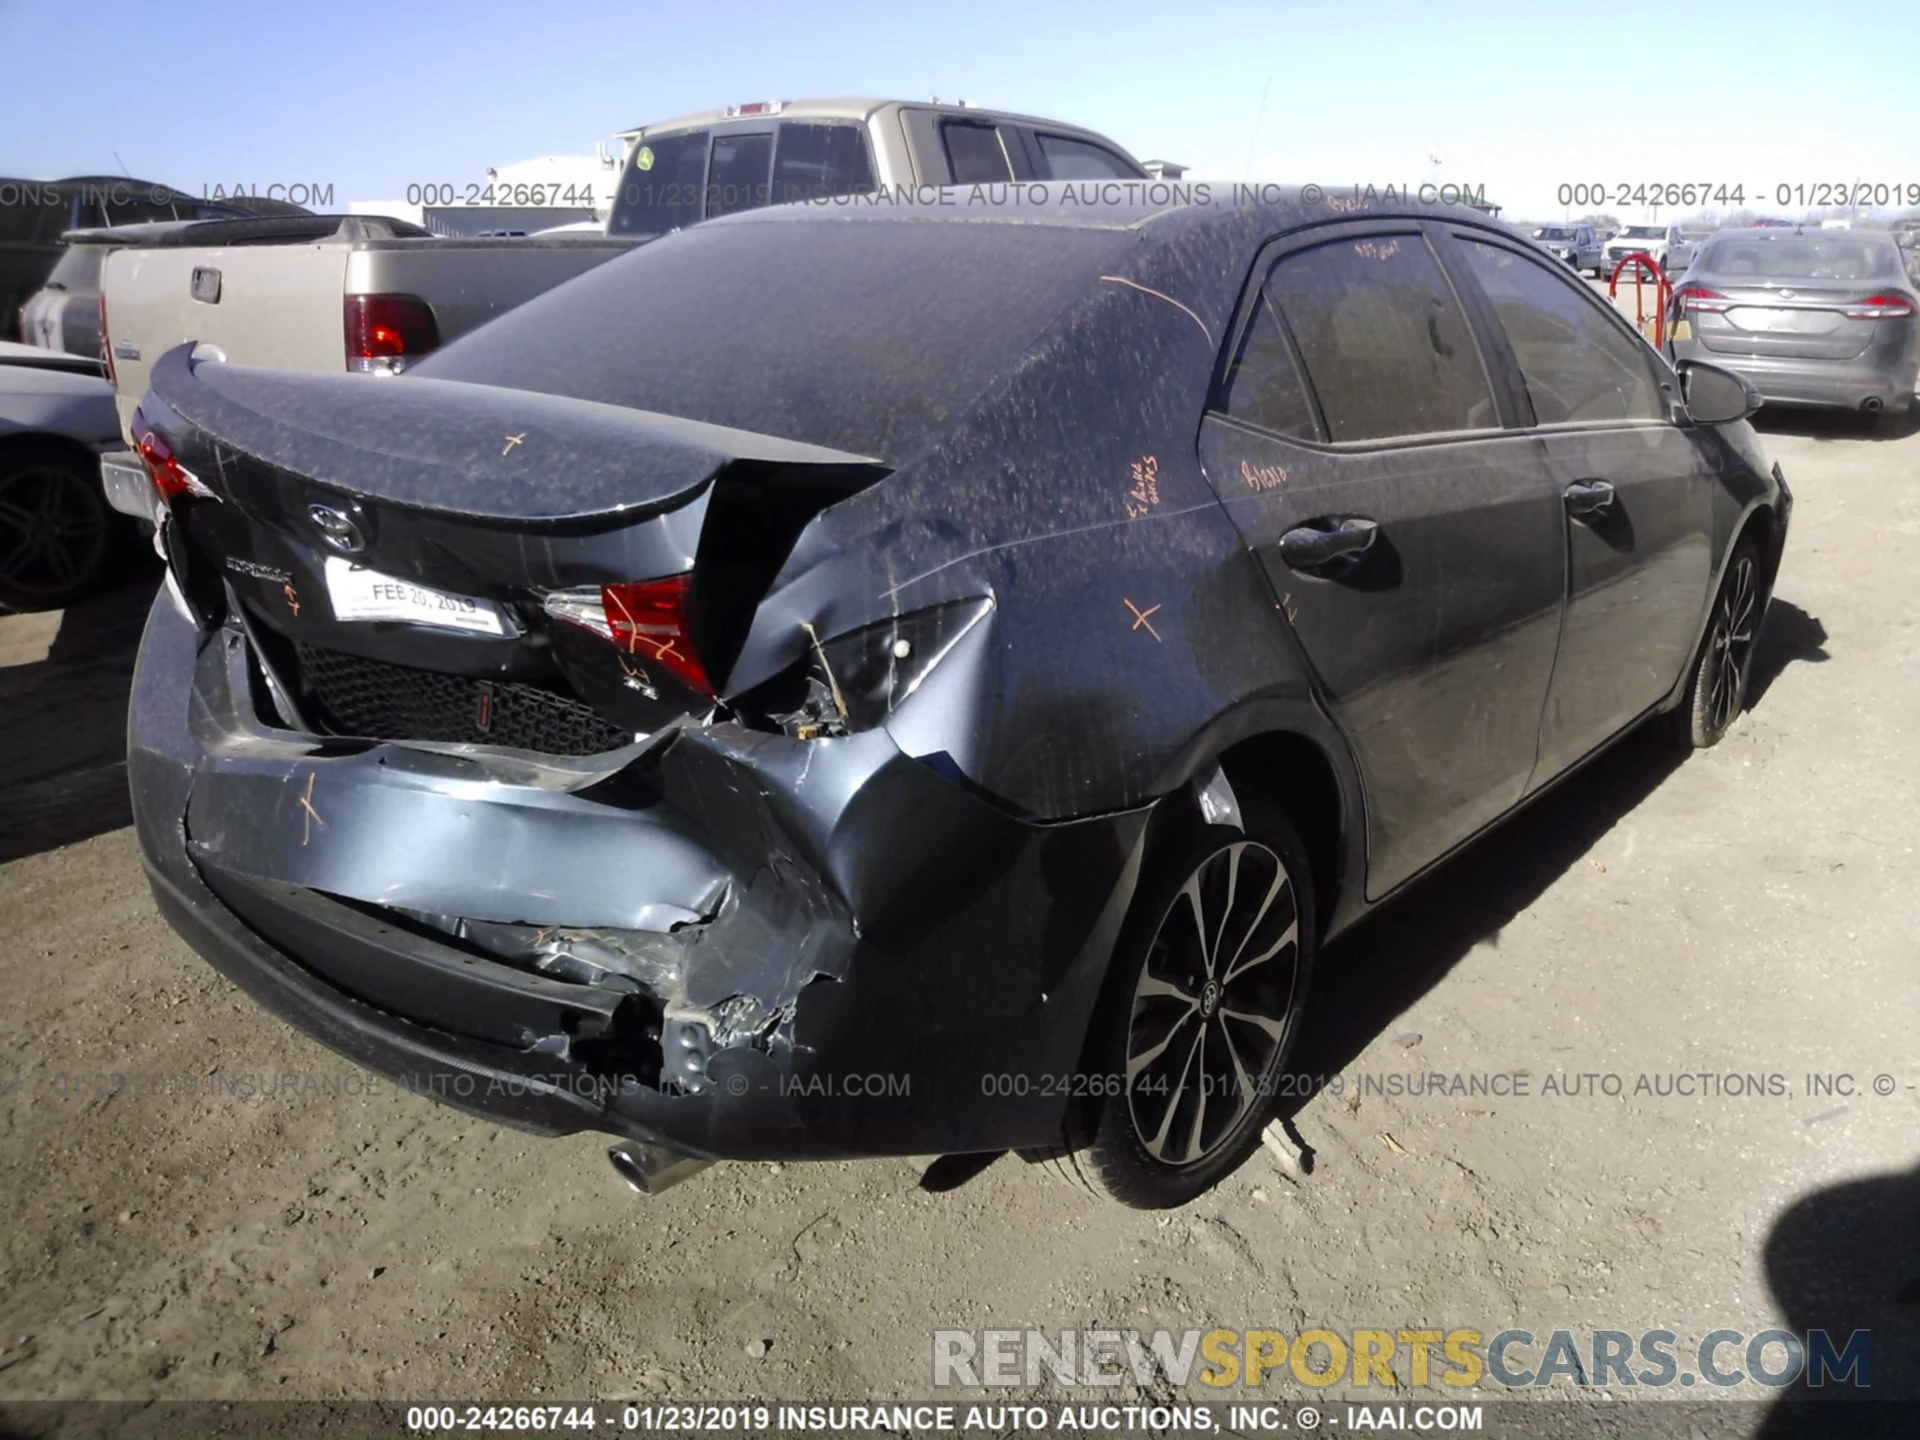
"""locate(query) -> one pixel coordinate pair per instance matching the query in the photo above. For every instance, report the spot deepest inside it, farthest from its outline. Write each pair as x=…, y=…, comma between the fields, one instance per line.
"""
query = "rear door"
x=1414, y=545
x=1636, y=487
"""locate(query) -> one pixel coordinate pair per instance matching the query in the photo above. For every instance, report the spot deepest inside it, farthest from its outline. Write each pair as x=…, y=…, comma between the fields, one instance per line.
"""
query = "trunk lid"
x=393, y=547
x=1788, y=321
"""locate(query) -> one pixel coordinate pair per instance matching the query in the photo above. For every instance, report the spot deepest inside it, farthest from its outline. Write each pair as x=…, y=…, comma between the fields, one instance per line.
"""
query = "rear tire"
x=58, y=539
x=1201, y=1010
x=1717, y=689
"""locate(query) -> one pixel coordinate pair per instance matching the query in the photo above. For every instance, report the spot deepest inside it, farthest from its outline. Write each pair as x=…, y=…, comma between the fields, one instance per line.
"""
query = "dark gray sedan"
x=845, y=680
x=1810, y=317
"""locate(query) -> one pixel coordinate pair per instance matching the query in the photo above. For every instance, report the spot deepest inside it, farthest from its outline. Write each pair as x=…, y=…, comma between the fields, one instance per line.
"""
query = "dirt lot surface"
x=1751, y=912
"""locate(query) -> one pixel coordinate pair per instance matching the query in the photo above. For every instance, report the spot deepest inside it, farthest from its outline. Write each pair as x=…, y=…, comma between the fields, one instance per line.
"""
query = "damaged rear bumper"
x=729, y=943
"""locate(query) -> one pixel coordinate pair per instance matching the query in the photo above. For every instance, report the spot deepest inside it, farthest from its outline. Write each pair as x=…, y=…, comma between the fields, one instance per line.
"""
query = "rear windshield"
x=673, y=181
x=1786, y=256
x=860, y=335
x=662, y=186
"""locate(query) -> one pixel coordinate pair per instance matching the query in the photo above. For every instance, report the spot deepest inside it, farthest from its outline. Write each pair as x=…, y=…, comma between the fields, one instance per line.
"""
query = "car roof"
x=1197, y=218
x=837, y=108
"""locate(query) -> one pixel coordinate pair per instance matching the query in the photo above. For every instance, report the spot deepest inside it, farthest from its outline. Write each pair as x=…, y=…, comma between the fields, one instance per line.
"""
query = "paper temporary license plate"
x=358, y=593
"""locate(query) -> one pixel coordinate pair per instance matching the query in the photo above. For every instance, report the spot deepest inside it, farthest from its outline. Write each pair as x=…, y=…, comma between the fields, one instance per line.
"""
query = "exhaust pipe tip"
x=1872, y=405
x=651, y=1169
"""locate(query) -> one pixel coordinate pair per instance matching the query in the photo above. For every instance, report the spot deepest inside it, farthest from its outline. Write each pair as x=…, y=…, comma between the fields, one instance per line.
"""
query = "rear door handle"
x=1313, y=546
x=1588, y=497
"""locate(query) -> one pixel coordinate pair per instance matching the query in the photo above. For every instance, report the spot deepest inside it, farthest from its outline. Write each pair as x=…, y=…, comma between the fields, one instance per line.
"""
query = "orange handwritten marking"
x=513, y=440
x=1149, y=290
x=1145, y=493
x=310, y=814
x=1140, y=617
x=1263, y=477
x=293, y=600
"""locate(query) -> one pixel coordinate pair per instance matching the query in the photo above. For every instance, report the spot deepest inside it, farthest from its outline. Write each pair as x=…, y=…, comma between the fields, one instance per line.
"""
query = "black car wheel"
x=1717, y=689
x=56, y=533
x=1202, y=1009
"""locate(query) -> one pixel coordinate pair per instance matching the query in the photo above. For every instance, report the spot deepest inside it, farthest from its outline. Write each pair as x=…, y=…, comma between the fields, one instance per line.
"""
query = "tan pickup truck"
x=325, y=292
x=368, y=294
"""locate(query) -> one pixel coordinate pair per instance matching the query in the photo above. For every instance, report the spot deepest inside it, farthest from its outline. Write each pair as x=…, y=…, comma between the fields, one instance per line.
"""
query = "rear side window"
x=661, y=188
x=1264, y=387
x=813, y=162
x=1069, y=159
x=974, y=153
x=1384, y=342
x=1577, y=364
x=738, y=178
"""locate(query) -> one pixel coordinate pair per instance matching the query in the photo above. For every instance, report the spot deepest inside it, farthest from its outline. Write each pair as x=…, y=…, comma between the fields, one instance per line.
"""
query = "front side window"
x=975, y=154
x=1383, y=339
x=1578, y=364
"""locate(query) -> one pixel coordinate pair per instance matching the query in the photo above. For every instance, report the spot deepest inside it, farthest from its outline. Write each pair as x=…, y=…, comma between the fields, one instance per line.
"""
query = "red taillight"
x=646, y=618
x=386, y=331
x=1698, y=300
x=1880, y=307
x=170, y=478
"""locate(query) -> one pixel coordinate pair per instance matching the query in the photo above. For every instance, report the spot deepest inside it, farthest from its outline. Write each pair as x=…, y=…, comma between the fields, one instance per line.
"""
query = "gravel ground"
x=1750, y=911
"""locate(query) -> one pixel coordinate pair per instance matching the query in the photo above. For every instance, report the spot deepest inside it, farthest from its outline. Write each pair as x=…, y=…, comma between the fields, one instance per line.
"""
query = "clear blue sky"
x=1520, y=98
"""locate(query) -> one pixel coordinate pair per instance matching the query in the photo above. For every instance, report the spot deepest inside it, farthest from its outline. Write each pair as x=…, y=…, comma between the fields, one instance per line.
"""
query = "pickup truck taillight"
x=385, y=332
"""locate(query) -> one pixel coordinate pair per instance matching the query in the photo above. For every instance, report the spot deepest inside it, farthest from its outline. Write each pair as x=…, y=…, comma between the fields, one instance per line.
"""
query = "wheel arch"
x=1293, y=755
x=14, y=440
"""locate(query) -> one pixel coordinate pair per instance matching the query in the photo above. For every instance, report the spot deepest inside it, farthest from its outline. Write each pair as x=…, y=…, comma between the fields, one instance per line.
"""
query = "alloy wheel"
x=52, y=532
x=1730, y=647
x=1213, y=1004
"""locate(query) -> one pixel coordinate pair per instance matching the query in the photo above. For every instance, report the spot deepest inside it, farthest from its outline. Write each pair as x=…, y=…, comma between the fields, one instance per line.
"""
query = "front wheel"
x=1201, y=1012
x=1717, y=689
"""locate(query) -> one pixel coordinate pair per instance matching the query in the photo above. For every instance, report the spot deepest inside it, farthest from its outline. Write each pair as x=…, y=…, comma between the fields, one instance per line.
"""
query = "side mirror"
x=1714, y=396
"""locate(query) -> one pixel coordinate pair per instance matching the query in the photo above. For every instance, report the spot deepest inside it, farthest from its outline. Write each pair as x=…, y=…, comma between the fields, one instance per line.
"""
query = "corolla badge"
x=337, y=528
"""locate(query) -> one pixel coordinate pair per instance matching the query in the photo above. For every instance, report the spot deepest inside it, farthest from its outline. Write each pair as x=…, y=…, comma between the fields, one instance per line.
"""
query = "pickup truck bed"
x=276, y=292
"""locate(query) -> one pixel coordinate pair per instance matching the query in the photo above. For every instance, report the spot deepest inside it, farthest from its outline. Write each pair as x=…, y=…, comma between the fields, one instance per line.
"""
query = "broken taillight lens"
x=170, y=478
x=647, y=618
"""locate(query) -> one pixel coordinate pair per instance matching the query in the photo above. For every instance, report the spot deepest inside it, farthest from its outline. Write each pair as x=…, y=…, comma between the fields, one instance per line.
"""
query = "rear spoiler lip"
x=579, y=461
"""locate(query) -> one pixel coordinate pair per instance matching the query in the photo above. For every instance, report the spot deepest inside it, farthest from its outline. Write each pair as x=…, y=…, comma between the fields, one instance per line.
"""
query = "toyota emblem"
x=337, y=528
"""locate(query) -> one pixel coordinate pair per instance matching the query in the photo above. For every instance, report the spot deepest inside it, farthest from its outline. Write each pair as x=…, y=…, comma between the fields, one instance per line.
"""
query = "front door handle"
x=1588, y=497
x=1310, y=547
